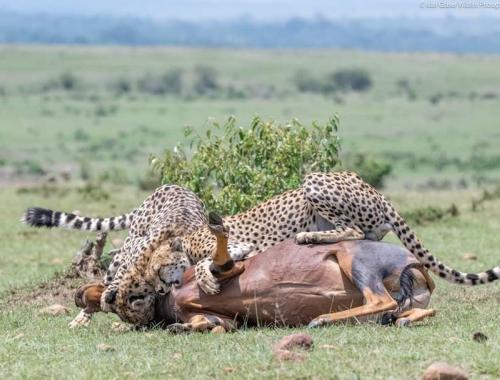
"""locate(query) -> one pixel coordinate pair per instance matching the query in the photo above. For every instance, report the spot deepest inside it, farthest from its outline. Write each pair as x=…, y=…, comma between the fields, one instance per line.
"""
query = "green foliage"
x=429, y=214
x=169, y=82
x=343, y=80
x=120, y=86
x=350, y=80
x=233, y=168
x=372, y=171
x=306, y=82
x=206, y=82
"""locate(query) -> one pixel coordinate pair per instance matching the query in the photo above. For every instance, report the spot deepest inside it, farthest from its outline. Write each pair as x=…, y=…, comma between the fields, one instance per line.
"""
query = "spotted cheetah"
x=327, y=208
x=170, y=210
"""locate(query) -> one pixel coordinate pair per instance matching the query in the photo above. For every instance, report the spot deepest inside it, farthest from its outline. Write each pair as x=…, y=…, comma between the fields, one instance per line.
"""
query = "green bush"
x=345, y=80
x=169, y=82
x=306, y=82
x=348, y=80
x=372, y=171
x=233, y=168
x=206, y=82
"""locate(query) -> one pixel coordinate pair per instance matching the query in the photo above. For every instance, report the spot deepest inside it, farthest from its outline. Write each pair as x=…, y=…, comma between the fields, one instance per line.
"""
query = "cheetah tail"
x=41, y=217
x=411, y=242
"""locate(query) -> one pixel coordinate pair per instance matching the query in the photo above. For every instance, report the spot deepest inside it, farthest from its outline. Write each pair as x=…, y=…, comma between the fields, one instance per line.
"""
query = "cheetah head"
x=136, y=296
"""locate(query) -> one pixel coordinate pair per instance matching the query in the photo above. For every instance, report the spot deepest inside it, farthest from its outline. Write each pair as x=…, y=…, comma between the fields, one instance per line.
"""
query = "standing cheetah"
x=327, y=208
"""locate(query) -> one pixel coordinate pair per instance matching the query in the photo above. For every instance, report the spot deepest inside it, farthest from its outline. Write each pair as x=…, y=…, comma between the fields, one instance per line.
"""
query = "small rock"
x=444, y=371
x=283, y=348
x=104, y=347
x=177, y=355
x=55, y=310
x=289, y=356
x=329, y=347
x=298, y=340
x=469, y=256
x=120, y=327
x=479, y=337
x=218, y=330
x=57, y=261
x=228, y=369
x=117, y=242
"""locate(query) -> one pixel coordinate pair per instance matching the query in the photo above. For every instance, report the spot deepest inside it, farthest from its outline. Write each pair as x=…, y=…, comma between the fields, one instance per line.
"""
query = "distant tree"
x=206, y=80
x=349, y=80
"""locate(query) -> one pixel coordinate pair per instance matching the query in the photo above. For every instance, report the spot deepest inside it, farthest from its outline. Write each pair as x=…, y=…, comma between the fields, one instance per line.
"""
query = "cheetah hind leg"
x=341, y=231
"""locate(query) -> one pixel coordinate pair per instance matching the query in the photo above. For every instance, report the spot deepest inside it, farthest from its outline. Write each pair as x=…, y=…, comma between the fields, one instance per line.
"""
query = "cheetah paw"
x=305, y=238
x=81, y=320
x=205, y=279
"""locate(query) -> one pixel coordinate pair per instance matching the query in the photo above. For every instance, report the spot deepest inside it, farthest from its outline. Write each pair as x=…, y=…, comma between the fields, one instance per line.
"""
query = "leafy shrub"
x=348, y=80
x=345, y=80
x=233, y=168
x=120, y=86
x=206, y=82
x=168, y=83
x=65, y=81
x=372, y=171
x=427, y=215
x=306, y=82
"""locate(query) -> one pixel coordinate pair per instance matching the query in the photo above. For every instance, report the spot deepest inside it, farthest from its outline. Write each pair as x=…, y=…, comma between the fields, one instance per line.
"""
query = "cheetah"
x=170, y=211
x=327, y=208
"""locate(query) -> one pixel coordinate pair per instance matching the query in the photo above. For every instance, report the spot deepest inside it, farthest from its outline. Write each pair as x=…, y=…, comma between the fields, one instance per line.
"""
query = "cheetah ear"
x=176, y=244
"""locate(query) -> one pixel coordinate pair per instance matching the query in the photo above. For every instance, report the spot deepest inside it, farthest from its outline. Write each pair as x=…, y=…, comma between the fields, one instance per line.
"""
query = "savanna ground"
x=439, y=130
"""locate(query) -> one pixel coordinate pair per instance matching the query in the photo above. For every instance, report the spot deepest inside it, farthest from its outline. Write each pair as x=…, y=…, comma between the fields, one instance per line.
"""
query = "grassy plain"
x=447, y=112
x=447, y=143
x=39, y=346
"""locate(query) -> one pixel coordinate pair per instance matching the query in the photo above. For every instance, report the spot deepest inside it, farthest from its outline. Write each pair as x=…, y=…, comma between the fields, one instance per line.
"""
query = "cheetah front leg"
x=341, y=231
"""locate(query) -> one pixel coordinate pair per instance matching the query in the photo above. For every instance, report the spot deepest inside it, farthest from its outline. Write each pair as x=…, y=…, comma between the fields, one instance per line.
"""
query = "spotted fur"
x=329, y=207
x=170, y=211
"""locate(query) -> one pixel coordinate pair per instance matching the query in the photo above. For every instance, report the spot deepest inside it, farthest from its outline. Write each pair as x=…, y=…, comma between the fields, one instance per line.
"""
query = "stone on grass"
x=104, y=347
x=479, y=337
x=218, y=330
x=55, y=310
x=444, y=371
x=298, y=340
x=284, y=349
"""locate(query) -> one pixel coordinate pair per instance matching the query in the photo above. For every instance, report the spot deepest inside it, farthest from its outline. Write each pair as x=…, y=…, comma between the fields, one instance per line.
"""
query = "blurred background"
x=89, y=89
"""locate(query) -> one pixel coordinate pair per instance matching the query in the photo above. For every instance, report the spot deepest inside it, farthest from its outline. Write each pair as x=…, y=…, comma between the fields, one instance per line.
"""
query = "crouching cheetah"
x=170, y=211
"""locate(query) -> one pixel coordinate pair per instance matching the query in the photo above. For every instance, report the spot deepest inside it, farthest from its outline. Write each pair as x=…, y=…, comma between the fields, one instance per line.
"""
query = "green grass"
x=38, y=346
x=60, y=130
x=91, y=127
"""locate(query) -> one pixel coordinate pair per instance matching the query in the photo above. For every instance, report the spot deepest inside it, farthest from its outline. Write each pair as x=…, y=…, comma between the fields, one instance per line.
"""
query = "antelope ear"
x=176, y=244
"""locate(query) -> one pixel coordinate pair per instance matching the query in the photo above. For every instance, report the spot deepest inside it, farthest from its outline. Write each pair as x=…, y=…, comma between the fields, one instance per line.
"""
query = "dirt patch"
x=58, y=290
x=62, y=287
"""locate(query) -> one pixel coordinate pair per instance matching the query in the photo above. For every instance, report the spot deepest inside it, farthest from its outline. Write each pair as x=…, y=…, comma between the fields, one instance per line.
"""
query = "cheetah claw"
x=205, y=279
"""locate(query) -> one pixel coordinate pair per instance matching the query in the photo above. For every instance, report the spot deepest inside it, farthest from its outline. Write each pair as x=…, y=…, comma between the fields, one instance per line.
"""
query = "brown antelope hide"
x=295, y=285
